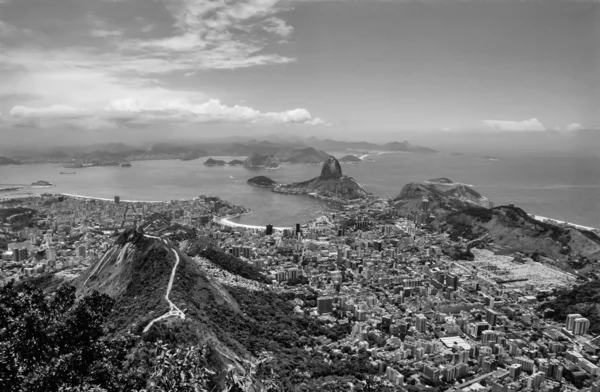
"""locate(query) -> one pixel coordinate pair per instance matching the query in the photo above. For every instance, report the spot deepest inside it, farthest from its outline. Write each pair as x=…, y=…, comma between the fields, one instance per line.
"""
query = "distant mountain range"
x=295, y=150
x=332, y=145
x=8, y=161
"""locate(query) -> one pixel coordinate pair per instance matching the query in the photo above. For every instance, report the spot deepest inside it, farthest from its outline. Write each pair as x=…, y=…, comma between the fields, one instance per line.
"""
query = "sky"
x=122, y=70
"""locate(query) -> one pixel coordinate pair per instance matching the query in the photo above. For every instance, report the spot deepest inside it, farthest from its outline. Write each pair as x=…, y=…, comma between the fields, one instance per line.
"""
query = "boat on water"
x=67, y=173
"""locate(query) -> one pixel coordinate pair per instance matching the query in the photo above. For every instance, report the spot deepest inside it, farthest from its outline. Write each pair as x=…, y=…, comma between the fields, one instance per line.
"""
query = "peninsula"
x=331, y=184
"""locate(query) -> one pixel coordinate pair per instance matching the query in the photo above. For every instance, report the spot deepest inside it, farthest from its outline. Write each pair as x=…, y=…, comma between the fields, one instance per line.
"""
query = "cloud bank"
x=531, y=125
x=94, y=71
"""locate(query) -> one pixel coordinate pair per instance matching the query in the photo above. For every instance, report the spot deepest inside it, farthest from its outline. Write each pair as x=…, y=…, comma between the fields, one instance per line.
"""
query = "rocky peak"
x=331, y=169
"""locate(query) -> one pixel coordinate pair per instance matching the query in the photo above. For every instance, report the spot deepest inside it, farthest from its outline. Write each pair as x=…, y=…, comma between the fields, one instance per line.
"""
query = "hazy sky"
x=116, y=69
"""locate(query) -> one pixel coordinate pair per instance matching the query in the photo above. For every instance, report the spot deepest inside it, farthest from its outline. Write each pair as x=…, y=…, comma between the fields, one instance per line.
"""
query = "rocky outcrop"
x=332, y=170
x=262, y=181
x=331, y=184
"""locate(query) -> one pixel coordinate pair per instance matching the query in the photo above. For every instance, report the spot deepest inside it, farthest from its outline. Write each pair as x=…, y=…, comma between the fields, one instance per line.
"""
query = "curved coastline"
x=107, y=199
x=225, y=221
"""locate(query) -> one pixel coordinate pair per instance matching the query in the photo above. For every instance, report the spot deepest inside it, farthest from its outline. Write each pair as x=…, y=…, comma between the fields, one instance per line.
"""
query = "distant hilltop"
x=8, y=161
x=443, y=195
x=287, y=149
x=350, y=159
x=331, y=184
x=462, y=212
x=257, y=160
x=403, y=146
x=214, y=162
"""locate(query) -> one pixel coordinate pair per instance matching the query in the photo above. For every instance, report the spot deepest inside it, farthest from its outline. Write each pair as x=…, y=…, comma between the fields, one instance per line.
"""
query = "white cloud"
x=278, y=26
x=99, y=33
x=214, y=34
x=182, y=110
x=530, y=125
x=147, y=112
x=54, y=111
x=83, y=86
x=573, y=127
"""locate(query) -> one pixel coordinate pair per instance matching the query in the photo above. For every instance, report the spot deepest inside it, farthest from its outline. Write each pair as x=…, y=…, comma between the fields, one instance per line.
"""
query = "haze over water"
x=561, y=187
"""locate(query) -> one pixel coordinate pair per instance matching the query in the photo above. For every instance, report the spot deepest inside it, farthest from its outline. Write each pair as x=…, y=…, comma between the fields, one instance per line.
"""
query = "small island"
x=214, y=162
x=42, y=183
x=126, y=164
x=350, y=159
x=235, y=162
x=262, y=181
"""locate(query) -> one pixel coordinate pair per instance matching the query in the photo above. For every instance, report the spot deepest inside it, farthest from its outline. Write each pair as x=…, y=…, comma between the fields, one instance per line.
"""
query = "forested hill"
x=583, y=299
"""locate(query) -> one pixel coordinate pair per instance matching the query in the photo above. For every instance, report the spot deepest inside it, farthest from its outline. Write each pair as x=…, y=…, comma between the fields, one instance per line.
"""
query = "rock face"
x=331, y=170
x=331, y=184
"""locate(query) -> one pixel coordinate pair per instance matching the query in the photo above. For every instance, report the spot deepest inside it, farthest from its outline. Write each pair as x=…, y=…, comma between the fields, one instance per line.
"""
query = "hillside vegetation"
x=511, y=227
x=583, y=299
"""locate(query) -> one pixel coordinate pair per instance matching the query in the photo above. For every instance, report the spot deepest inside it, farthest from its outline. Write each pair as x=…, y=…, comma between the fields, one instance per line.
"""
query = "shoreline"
x=559, y=222
x=225, y=221
x=107, y=199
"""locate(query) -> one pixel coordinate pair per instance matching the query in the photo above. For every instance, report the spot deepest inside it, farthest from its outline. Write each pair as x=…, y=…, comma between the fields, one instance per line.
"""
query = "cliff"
x=330, y=184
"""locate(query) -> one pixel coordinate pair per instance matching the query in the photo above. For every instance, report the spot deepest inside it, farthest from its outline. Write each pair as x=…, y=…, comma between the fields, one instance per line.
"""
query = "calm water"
x=563, y=188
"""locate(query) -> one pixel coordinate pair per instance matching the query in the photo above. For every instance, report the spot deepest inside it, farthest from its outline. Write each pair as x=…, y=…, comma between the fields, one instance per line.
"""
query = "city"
x=388, y=282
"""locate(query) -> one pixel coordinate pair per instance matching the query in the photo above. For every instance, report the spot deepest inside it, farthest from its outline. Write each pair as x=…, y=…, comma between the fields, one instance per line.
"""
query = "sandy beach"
x=226, y=222
x=543, y=218
x=106, y=199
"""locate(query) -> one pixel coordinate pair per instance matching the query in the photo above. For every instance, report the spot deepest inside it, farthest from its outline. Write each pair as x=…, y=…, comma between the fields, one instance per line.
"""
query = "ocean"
x=566, y=188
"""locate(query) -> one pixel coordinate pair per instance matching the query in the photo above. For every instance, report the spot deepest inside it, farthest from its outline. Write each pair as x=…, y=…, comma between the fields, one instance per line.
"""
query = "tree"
x=51, y=343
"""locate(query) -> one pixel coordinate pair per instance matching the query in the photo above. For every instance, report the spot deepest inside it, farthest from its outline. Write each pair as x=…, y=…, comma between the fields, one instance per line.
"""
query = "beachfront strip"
x=385, y=284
